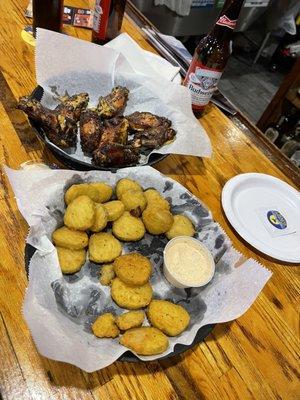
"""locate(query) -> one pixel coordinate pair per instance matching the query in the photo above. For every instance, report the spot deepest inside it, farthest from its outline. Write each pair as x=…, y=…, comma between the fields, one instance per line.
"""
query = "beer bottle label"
x=100, y=20
x=202, y=82
x=225, y=21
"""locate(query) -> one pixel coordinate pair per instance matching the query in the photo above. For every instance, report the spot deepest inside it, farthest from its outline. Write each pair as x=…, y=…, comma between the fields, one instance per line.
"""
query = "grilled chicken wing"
x=140, y=121
x=59, y=129
x=155, y=137
x=72, y=106
x=90, y=130
x=115, y=154
x=115, y=130
x=114, y=103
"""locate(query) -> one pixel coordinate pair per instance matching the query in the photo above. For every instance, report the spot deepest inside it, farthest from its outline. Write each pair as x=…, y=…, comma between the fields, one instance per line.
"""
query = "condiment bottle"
x=108, y=17
x=211, y=56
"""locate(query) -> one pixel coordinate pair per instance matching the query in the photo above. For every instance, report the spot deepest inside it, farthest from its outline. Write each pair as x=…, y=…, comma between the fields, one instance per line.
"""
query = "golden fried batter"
x=157, y=220
x=155, y=198
x=115, y=209
x=145, y=341
x=80, y=213
x=74, y=240
x=70, y=261
x=103, y=247
x=130, y=297
x=125, y=184
x=182, y=226
x=133, y=269
x=107, y=274
x=99, y=192
x=101, y=218
x=105, y=327
x=130, y=319
x=128, y=228
x=170, y=318
x=133, y=199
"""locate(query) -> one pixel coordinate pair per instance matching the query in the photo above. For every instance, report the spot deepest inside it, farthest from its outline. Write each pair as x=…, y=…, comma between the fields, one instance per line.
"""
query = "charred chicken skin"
x=115, y=154
x=72, y=106
x=140, y=121
x=114, y=103
x=90, y=130
x=115, y=130
x=59, y=129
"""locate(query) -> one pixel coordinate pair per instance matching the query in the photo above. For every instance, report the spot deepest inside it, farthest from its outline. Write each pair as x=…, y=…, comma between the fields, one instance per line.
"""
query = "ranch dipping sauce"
x=187, y=262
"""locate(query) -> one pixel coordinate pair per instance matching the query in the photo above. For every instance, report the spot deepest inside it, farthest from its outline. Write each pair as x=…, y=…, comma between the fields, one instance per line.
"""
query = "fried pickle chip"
x=104, y=247
x=101, y=218
x=133, y=269
x=155, y=198
x=115, y=209
x=133, y=199
x=182, y=226
x=105, y=327
x=70, y=261
x=130, y=297
x=74, y=240
x=107, y=274
x=128, y=228
x=80, y=213
x=157, y=220
x=130, y=319
x=145, y=341
x=125, y=184
x=170, y=318
x=97, y=191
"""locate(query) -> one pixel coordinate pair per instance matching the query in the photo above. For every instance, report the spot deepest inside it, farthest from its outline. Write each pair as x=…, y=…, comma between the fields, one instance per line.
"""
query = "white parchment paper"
x=60, y=309
x=65, y=65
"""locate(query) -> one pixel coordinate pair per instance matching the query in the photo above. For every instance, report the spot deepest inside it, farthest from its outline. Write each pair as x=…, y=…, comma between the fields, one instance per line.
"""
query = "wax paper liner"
x=59, y=310
x=65, y=65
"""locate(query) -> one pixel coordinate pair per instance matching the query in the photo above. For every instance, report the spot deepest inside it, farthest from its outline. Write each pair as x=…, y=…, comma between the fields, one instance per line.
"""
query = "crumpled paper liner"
x=60, y=309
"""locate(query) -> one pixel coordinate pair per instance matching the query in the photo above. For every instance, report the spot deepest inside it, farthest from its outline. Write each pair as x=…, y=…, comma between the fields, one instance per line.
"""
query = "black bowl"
x=66, y=158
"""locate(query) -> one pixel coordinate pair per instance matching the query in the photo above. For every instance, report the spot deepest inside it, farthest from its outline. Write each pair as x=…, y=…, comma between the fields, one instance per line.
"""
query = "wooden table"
x=254, y=357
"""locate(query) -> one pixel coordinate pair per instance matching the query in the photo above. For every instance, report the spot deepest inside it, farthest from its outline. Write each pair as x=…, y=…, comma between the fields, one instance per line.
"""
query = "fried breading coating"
x=133, y=199
x=125, y=184
x=115, y=209
x=133, y=269
x=101, y=218
x=146, y=341
x=70, y=261
x=130, y=297
x=100, y=192
x=157, y=220
x=128, y=228
x=182, y=226
x=107, y=274
x=74, y=240
x=114, y=103
x=104, y=247
x=130, y=319
x=105, y=327
x=80, y=213
x=170, y=318
x=155, y=198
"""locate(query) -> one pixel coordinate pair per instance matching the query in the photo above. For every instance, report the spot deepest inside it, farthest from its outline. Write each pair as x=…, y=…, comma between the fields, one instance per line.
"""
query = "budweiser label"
x=100, y=20
x=202, y=82
x=225, y=21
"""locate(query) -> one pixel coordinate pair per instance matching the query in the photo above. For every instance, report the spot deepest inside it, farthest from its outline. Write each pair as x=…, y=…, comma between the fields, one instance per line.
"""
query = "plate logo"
x=276, y=219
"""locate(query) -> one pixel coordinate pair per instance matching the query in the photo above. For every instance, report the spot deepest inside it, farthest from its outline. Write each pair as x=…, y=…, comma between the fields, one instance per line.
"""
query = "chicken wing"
x=72, y=106
x=115, y=154
x=155, y=137
x=115, y=130
x=140, y=121
x=59, y=129
x=114, y=103
x=90, y=130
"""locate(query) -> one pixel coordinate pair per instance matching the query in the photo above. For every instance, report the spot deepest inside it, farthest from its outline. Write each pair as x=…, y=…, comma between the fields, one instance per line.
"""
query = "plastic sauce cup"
x=186, y=248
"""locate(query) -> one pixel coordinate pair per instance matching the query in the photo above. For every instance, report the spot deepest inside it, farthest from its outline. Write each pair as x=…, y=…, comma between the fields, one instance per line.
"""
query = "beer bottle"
x=108, y=17
x=47, y=14
x=211, y=56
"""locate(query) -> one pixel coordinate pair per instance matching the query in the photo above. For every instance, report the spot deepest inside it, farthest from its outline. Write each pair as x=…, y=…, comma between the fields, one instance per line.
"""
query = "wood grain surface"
x=254, y=357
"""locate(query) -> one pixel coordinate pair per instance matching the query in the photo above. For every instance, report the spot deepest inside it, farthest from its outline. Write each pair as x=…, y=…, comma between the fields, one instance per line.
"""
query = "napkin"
x=59, y=310
x=68, y=65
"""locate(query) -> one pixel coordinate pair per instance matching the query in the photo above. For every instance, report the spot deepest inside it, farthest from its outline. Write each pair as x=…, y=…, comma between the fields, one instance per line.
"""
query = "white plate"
x=249, y=200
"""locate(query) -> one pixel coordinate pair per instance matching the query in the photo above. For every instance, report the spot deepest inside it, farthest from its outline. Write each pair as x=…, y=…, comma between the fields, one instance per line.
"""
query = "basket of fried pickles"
x=95, y=227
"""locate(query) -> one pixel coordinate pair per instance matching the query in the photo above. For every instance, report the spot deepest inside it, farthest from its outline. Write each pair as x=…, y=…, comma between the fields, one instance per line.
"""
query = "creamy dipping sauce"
x=188, y=262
